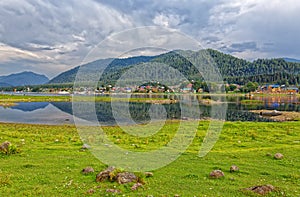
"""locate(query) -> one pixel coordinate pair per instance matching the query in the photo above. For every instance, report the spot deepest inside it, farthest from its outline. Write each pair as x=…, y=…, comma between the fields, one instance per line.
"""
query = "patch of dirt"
x=284, y=116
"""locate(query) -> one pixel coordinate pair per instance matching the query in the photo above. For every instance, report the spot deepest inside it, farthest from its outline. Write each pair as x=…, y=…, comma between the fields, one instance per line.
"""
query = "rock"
x=234, y=168
x=125, y=177
x=216, y=174
x=91, y=191
x=85, y=146
x=113, y=191
x=87, y=170
x=4, y=147
x=262, y=190
x=176, y=195
x=148, y=174
x=270, y=113
x=136, y=186
x=278, y=156
x=104, y=175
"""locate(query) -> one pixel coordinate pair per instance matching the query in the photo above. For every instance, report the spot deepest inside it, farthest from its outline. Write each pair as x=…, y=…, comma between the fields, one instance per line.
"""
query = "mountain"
x=291, y=60
x=115, y=66
x=22, y=79
x=4, y=84
x=233, y=70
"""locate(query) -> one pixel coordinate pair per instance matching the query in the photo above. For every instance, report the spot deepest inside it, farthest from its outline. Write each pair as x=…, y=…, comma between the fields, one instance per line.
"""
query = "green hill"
x=233, y=70
x=115, y=67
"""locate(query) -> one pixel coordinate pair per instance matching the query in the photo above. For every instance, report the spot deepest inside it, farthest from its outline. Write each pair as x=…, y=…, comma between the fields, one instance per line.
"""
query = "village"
x=183, y=88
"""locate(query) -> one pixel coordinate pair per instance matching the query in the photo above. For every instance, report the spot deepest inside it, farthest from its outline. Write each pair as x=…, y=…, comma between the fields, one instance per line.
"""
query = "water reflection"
x=61, y=112
x=35, y=113
x=28, y=106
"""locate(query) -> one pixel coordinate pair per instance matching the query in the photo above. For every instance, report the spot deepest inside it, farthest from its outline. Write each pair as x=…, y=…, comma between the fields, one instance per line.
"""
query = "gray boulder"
x=278, y=156
x=126, y=177
x=262, y=189
x=216, y=174
x=234, y=168
x=104, y=175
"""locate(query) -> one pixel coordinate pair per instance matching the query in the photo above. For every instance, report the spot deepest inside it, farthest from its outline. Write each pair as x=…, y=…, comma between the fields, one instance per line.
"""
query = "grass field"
x=50, y=161
x=8, y=100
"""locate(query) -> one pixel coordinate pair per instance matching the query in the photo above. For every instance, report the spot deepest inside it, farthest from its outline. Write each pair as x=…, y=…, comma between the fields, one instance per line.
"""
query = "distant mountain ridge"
x=23, y=79
x=233, y=70
x=292, y=60
x=115, y=66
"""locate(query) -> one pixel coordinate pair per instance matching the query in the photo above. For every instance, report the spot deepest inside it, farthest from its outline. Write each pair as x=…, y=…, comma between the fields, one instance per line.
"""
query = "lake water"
x=61, y=112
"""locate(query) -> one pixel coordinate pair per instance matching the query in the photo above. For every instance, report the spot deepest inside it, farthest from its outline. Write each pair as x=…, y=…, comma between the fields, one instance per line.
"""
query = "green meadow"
x=10, y=99
x=49, y=161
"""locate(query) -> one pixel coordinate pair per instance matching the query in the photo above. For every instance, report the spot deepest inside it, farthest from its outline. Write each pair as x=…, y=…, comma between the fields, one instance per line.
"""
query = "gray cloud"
x=53, y=36
x=240, y=47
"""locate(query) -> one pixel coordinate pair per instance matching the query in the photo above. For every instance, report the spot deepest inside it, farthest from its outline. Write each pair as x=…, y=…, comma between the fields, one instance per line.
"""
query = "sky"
x=52, y=36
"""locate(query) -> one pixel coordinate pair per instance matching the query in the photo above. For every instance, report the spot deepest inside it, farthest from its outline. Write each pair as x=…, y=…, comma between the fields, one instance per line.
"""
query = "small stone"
x=113, y=191
x=269, y=154
x=262, y=189
x=87, y=170
x=4, y=147
x=104, y=175
x=278, y=156
x=85, y=146
x=136, y=186
x=91, y=191
x=216, y=174
x=148, y=174
x=125, y=177
x=176, y=195
x=234, y=168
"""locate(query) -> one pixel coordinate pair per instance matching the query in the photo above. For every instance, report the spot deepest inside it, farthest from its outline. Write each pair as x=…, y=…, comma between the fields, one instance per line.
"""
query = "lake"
x=61, y=112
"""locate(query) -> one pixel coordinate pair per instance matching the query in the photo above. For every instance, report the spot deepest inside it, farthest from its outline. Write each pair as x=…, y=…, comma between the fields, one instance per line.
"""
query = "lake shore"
x=280, y=116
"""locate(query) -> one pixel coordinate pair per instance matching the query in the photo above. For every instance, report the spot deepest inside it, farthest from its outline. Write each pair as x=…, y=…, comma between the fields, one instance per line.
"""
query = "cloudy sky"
x=51, y=36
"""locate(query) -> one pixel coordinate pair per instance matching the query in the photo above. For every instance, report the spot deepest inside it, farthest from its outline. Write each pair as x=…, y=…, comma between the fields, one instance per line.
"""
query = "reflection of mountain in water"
x=30, y=106
x=139, y=112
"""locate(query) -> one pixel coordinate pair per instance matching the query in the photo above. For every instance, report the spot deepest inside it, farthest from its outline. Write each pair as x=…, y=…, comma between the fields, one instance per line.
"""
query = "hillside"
x=233, y=70
x=116, y=66
x=4, y=84
x=22, y=79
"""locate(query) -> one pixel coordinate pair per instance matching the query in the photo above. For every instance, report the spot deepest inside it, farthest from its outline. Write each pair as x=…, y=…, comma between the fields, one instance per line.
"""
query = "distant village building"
x=278, y=89
x=271, y=89
x=292, y=90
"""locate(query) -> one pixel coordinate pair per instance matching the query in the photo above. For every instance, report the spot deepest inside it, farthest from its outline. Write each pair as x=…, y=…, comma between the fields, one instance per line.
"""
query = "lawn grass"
x=28, y=98
x=251, y=102
x=51, y=160
x=11, y=99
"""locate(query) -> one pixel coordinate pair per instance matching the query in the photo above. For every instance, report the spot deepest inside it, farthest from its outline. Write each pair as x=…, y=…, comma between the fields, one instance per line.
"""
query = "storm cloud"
x=52, y=36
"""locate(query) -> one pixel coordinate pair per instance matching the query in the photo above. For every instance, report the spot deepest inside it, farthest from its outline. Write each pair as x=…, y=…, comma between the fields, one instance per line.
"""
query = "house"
x=271, y=88
x=292, y=90
x=274, y=88
x=190, y=86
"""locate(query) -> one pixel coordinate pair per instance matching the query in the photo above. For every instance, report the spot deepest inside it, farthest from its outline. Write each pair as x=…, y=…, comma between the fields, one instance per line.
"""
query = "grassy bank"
x=51, y=160
x=27, y=98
